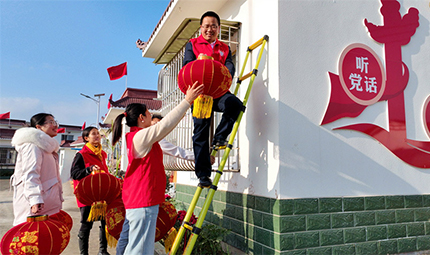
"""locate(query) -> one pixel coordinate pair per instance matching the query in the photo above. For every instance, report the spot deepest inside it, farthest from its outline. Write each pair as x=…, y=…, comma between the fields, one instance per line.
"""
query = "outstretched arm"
x=176, y=151
x=145, y=138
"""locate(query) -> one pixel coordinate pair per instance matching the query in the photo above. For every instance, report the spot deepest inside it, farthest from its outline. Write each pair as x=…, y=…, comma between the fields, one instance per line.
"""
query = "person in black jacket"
x=90, y=158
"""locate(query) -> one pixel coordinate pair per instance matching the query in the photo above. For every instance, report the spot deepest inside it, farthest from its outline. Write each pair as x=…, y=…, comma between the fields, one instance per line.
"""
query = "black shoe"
x=205, y=182
x=220, y=145
x=103, y=253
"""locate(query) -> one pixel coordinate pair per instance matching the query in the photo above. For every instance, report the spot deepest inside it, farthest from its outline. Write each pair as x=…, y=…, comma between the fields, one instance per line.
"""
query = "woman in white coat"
x=36, y=181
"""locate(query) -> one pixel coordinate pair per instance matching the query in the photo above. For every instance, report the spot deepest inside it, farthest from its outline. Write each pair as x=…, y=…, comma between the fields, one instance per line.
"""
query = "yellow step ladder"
x=195, y=230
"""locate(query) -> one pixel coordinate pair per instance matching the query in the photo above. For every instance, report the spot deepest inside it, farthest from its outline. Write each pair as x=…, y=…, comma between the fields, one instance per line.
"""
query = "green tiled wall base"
x=340, y=225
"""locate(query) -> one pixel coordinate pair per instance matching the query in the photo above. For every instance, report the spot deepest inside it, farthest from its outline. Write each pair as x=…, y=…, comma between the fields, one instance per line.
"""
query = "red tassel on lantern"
x=98, y=190
x=215, y=77
x=39, y=235
x=64, y=217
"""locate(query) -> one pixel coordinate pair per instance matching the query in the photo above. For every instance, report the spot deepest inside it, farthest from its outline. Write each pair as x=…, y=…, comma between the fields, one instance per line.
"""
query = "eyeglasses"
x=210, y=27
x=52, y=122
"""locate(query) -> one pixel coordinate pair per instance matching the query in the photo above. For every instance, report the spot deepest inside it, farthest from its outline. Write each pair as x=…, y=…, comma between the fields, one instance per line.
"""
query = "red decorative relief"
x=362, y=81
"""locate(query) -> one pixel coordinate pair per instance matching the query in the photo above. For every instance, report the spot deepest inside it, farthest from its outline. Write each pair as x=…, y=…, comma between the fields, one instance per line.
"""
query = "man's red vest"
x=219, y=52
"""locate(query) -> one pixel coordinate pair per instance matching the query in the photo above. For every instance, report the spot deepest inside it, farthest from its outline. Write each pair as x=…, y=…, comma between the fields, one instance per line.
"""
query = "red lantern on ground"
x=115, y=216
x=214, y=75
x=165, y=221
x=39, y=235
x=98, y=190
x=64, y=217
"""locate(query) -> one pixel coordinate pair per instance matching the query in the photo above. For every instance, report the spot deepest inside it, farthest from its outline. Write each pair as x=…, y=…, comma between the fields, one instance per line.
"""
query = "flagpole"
x=126, y=82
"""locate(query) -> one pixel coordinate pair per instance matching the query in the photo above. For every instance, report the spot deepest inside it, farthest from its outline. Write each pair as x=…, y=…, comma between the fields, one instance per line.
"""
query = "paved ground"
x=69, y=205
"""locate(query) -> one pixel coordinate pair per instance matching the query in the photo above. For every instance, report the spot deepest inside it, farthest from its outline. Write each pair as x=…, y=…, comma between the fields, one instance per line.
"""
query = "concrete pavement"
x=69, y=206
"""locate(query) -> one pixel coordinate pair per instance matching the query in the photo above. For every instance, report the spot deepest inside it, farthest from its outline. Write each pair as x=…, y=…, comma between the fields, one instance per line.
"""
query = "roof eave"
x=175, y=14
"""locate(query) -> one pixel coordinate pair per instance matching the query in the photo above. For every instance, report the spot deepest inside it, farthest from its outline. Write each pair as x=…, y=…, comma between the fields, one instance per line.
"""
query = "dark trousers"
x=231, y=107
x=84, y=231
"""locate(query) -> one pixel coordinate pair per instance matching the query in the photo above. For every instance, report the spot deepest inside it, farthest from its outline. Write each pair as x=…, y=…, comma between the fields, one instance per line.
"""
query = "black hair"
x=210, y=14
x=87, y=132
x=131, y=114
x=156, y=116
x=39, y=119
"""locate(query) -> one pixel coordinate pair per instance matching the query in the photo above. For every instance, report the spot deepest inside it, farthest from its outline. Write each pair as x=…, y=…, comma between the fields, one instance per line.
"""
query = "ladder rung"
x=246, y=76
x=256, y=44
x=189, y=227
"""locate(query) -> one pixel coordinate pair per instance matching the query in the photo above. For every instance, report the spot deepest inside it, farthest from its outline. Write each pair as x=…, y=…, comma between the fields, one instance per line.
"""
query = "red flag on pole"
x=116, y=72
x=110, y=99
x=5, y=116
x=61, y=130
x=83, y=126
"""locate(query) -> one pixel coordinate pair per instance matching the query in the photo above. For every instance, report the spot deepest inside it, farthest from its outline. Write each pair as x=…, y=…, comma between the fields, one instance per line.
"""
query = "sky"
x=51, y=51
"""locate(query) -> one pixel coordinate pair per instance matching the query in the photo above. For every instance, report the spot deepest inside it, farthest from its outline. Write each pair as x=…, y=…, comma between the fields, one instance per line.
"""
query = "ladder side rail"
x=187, y=218
x=236, y=90
x=248, y=91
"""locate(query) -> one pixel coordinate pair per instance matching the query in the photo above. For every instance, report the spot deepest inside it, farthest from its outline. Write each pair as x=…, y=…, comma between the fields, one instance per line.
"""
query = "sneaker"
x=205, y=182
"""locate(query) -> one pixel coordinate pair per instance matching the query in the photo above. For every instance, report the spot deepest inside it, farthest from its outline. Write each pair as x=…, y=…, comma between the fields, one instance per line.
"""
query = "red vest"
x=219, y=52
x=91, y=159
x=145, y=179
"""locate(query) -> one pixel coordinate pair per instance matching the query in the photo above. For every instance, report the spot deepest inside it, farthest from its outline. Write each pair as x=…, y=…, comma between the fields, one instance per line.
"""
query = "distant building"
x=130, y=95
x=8, y=153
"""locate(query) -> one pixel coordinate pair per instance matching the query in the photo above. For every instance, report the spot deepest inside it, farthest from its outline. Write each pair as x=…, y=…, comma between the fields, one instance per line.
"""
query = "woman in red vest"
x=90, y=158
x=145, y=179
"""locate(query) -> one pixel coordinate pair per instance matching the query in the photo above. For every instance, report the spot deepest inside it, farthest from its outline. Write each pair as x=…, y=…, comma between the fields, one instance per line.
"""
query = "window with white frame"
x=171, y=96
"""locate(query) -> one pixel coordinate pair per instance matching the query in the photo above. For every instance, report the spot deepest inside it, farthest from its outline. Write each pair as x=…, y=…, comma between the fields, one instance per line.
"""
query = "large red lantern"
x=115, y=216
x=98, y=190
x=39, y=235
x=215, y=77
x=64, y=217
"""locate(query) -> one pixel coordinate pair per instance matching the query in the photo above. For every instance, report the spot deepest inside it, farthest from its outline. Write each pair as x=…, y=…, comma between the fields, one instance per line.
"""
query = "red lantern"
x=214, y=75
x=98, y=190
x=115, y=216
x=39, y=235
x=166, y=219
x=64, y=217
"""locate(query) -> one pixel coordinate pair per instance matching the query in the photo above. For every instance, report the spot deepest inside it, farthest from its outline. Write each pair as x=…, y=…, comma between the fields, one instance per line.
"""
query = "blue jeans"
x=123, y=238
x=142, y=225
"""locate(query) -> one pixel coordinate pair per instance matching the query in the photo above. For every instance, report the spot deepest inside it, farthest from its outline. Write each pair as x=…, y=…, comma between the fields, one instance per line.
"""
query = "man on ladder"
x=208, y=44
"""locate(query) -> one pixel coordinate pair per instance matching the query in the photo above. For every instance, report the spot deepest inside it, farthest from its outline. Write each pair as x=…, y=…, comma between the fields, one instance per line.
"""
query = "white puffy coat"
x=36, y=178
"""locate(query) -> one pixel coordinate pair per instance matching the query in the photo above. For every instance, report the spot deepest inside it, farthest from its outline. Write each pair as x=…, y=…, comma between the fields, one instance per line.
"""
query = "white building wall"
x=285, y=153
x=316, y=161
x=66, y=156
